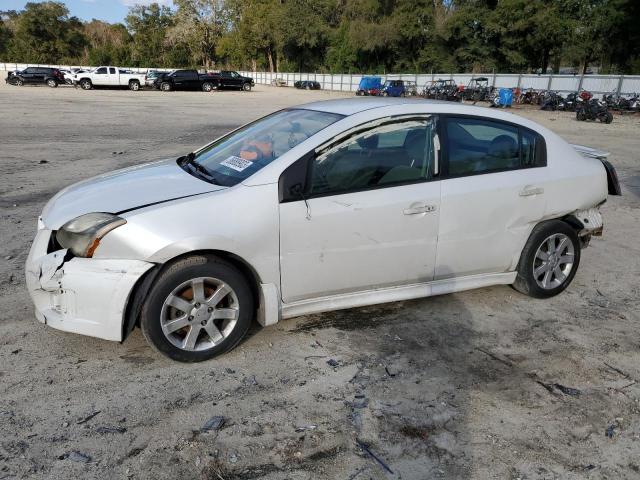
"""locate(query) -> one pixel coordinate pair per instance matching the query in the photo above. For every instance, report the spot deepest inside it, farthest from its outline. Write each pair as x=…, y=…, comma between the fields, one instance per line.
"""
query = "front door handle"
x=416, y=209
x=529, y=191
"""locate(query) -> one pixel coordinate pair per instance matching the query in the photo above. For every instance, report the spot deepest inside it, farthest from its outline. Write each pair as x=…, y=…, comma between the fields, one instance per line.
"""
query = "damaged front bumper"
x=80, y=295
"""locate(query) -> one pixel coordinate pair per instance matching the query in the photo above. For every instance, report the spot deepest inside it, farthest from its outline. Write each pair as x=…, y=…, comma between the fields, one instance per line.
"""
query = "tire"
x=134, y=85
x=175, y=282
x=246, y=87
x=608, y=118
x=165, y=87
x=207, y=86
x=534, y=271
x=52, y=83
x=19, y=82
x=85, y=84
x=580, y=116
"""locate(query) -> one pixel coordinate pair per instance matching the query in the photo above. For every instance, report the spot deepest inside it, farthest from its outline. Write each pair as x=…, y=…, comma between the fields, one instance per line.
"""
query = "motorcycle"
x=594, y=110
x=552, y=101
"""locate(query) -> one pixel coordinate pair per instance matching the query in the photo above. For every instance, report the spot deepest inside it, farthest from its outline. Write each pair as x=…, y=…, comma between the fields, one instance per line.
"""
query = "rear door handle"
x=416, y=209
x=529, y=191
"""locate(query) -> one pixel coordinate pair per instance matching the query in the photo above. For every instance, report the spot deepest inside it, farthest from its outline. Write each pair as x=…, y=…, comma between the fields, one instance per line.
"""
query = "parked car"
x=186, y=80
x=393, y=88
x=51, y=77
x=328, y=205
x=150, y=77
x=232, y=79
x=109, y=76
x=278, y=82
x=369, y=86
x=307, y=85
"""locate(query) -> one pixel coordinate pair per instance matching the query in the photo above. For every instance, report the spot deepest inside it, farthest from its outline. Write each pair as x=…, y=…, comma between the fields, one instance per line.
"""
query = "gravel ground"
x=469, y=385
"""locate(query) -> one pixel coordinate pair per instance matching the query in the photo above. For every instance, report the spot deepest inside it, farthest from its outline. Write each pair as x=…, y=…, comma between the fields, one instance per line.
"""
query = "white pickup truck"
x=109, y=77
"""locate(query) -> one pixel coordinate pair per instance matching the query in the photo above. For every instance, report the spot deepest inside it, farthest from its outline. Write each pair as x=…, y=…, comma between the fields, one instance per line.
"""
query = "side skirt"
x=394, y=294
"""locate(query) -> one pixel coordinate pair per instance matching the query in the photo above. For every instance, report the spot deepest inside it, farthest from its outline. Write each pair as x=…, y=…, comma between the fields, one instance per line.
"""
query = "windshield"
x=239, y=155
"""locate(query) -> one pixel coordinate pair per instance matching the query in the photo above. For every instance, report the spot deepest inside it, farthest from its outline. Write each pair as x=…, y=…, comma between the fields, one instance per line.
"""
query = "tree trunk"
x=270, y=58
x=254, y=65
x=545, y=61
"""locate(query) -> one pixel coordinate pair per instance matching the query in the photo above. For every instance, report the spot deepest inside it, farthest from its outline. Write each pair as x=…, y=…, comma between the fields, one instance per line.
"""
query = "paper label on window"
x=236, y=163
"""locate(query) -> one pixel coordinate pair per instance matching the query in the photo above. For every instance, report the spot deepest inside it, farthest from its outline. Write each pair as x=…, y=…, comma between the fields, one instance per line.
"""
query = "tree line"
x=371, y=36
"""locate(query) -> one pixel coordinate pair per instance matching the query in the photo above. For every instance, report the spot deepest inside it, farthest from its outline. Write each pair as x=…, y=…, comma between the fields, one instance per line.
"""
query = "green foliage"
x=370, y=36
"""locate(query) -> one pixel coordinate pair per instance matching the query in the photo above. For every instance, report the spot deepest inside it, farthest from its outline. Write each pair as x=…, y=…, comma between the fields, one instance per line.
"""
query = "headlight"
x=82, y=234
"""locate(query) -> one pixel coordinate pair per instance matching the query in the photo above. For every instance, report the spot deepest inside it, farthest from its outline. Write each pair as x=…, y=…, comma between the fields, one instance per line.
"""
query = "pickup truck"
x=231, y=79
x=109, y=77
x=186, y=80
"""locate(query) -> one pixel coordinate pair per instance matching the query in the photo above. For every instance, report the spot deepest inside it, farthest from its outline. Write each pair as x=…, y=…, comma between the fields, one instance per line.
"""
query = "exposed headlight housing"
x=82, y=235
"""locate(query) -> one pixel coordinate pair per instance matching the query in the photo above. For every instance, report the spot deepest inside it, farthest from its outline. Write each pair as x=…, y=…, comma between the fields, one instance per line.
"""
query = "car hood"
x=124, y=190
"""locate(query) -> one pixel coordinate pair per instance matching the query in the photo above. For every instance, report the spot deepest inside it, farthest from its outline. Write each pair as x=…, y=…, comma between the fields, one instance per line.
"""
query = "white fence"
x=346, y=82
x=600, y=84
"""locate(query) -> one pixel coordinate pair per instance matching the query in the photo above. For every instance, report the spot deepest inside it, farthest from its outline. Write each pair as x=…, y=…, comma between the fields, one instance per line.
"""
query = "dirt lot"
x=445, y=387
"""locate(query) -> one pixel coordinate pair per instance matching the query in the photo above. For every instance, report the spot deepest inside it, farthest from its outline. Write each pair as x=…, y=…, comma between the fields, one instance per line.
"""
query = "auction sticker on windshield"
x=236, y=163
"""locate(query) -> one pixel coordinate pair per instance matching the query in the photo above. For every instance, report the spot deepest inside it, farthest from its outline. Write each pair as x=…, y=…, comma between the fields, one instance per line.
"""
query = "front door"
x=364, y=214
x=492, y=195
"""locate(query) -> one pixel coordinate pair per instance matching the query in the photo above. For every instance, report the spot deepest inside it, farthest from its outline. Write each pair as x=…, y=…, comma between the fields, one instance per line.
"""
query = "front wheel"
x=581, y=116
x=85, y=84
x=52, y=83
x=199, y=307
x=246, y=87
x=607, y=117
x=207, y=86
x=549, y=260
x=165, y=86
x=19, y=83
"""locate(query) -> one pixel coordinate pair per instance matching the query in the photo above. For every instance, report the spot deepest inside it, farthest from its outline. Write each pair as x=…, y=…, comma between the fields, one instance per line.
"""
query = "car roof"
x=354, y=105
x=351, y=106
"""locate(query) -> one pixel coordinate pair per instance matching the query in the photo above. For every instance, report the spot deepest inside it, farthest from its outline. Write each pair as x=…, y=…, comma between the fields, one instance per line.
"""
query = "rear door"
x=493, y=182
x=113, y=77
x=193, y=80
x=361, y=213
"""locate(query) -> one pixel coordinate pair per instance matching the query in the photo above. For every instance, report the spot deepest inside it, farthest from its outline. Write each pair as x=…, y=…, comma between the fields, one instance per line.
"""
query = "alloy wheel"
x=199, y=314
x=553, y=261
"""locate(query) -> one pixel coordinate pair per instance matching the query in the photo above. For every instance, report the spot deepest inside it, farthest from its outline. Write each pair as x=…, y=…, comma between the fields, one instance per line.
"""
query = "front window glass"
x=392, y=153
x=242, y=153
x=101, y=71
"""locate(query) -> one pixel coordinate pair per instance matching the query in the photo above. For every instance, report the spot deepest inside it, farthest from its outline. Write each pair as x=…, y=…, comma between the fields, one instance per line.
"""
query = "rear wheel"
x=549, y=260
x=85, y=84
x=607, y=118
x=246, y=87
x=52, y=83
x=198, y=308
x=134, y=85
x=581, y=116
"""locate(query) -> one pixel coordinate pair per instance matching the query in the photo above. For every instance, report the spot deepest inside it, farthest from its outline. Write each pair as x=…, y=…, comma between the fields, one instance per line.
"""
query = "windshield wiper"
x=189, y=159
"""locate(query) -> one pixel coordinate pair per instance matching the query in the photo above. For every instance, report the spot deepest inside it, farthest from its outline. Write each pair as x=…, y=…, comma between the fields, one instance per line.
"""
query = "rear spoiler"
x=613, y=183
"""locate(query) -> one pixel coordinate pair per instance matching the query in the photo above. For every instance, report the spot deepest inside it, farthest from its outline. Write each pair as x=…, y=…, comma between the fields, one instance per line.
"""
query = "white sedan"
x=324, y=206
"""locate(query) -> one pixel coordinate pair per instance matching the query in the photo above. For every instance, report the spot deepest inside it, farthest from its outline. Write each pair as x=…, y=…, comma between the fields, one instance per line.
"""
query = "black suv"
x=36, y=75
